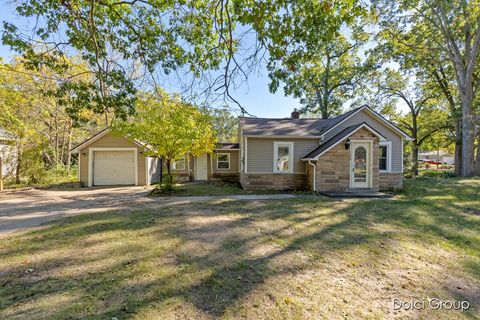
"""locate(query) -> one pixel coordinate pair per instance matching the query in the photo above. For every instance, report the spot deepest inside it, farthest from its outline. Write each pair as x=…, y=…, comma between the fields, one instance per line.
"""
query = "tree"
x=121, y=39
x=324, y=76
x=453, y=28
x=169, y=127
x=225, y=125
x=414, y=49
x=424, y=117
x=18, y=102
x=39, y=120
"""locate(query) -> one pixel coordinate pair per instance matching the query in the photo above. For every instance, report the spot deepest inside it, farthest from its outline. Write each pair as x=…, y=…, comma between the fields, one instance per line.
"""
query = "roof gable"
x=336, y=139
x=351, y=114
x=98, y=136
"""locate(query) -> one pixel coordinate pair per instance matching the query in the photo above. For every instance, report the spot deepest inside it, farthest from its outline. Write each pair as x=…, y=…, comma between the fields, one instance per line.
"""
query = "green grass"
x=303, y=258
x=56, y=179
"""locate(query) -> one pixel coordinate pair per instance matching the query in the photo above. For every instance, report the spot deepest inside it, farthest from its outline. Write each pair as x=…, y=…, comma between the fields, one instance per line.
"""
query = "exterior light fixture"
x=347, y=144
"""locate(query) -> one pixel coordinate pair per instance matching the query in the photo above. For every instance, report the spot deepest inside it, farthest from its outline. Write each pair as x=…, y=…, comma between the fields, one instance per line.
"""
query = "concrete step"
x=357, y=193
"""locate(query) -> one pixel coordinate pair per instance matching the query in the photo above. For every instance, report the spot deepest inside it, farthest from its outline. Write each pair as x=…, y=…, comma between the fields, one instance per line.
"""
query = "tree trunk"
x=324, y=105
x=468, y=135
x=161, y=169
x=415, y=157
x=458, y=147
x=18, y=166
x=477, y=161
x=170, y=177
x=415, y=141
x=69, y=146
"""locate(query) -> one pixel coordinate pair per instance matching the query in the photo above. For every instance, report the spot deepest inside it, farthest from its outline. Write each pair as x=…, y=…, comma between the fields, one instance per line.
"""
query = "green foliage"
x=118, y=39
x=437, y=174
x=40, y=123
x=110, y=36
x=169, y=127
x=224, y=124
x=325, y=75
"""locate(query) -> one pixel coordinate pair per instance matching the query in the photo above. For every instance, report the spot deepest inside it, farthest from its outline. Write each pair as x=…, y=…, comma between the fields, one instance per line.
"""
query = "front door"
x=201, y=167
x=360, y=165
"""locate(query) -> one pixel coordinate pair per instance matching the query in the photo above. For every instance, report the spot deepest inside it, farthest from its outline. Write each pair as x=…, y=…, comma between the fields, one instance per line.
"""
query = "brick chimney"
x=295, y=114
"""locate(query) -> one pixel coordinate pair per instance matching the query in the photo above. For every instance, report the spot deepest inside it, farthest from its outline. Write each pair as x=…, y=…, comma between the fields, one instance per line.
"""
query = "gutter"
x=314, y=174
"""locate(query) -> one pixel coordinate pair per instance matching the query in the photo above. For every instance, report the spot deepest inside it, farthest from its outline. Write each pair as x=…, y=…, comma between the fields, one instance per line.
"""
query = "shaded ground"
x=215, y=189
x=299, y=258
x=23, y=209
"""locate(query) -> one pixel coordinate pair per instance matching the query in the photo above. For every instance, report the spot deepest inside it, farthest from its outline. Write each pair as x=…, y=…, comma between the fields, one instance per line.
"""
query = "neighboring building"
x=359, y=149
x=7, y=152
x=439, y=156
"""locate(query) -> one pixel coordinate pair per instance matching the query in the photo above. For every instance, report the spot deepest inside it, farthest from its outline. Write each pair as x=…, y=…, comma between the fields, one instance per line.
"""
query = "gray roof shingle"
x=227, y=145
x=303, y=127
x=284, y=127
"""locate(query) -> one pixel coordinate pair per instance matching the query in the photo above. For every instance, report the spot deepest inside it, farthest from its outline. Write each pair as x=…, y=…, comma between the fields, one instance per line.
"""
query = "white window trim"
x=90, y=162
x=174, y=166
x=228, y=156
x=387, y=144
x=276, y=144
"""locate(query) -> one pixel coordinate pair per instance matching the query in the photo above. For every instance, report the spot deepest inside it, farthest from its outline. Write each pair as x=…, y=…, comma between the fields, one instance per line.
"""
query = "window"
x=223, y=161
x=283, y=157
x=179, y=164
x=384, y=156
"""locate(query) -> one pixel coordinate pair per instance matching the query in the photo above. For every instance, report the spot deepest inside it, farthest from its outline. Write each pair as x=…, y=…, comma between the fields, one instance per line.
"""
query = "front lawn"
x=302, y=258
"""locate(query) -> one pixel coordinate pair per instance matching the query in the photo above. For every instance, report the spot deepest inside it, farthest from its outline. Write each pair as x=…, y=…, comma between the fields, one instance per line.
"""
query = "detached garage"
x=110, y=159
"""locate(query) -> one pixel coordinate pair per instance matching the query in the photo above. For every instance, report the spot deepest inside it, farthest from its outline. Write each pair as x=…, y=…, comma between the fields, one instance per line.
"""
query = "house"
x=439, y=156
x=7, y=153
x=359, y=149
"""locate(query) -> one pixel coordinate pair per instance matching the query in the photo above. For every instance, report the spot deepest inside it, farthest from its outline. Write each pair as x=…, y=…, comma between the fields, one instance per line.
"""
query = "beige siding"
x=388, y=133
x=111, y=140
x=233, y=162
x=260, y=154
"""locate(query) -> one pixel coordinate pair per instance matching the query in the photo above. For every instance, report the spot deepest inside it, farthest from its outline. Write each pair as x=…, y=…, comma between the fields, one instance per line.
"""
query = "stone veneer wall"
x=390, y=180
x=333, y=168
x=281, y=181
x=231, y=177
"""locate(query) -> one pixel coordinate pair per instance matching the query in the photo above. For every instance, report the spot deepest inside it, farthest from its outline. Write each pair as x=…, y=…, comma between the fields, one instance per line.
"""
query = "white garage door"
x=113, y=168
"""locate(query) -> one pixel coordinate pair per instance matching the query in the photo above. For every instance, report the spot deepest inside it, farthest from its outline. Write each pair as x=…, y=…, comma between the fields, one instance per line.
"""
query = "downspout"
x=314, y=174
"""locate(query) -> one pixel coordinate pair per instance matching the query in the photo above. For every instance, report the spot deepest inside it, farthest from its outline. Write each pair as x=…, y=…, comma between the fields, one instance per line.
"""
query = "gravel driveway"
x=23, y=209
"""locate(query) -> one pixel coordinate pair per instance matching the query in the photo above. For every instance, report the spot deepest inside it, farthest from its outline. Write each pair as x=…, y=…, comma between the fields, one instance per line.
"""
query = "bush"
x=163, y=189
x=448, y=174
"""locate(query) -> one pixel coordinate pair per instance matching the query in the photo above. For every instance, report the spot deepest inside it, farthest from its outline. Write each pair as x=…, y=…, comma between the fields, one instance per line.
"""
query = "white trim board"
x=228, y=156
x=90, y=161
x=364, y=125
x=388, y=144
x=291, y=163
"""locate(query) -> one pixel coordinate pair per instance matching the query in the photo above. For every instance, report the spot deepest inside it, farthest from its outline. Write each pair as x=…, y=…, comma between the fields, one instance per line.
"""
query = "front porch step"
x=357, y=193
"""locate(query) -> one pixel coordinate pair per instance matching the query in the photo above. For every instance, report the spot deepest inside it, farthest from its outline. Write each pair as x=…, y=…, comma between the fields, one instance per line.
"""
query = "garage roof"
x=97, y=136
